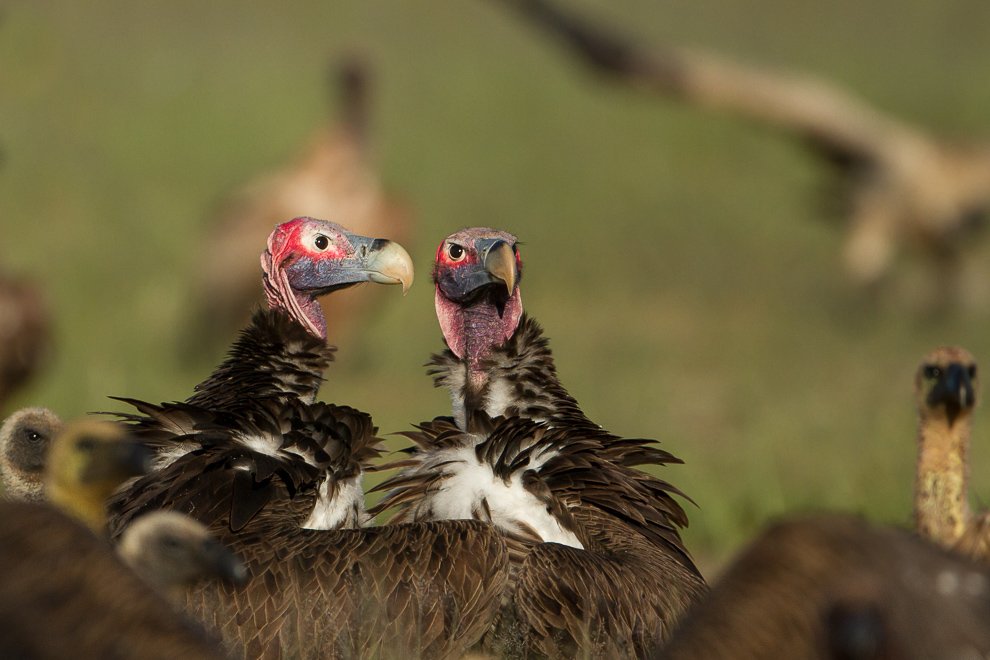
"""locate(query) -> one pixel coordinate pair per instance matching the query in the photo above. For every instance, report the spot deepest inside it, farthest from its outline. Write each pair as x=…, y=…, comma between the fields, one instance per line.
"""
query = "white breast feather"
x=499, y=397
x=263, y=444
x=333, y=513
x=469, y=482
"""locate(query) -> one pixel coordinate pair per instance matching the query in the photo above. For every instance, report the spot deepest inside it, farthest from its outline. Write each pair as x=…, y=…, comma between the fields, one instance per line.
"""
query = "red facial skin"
x=289, y=242
x=471, y=330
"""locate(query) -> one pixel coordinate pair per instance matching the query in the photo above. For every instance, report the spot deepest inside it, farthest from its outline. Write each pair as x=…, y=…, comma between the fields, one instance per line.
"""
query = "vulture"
x=275, y=476
x=598, y=565
x=172, y=552
x=832, y=587
x=25, y=333
x=167, y=549
x=64, y=592
x=946, y=388
x=331, y=177
x=898, y=184
x=24, y=441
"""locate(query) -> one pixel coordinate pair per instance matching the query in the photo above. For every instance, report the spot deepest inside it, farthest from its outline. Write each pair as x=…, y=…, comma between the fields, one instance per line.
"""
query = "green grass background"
x=679, y=261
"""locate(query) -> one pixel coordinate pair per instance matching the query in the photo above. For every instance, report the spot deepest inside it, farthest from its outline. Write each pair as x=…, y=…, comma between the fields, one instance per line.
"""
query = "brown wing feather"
x=65, y=594
x=427, y=589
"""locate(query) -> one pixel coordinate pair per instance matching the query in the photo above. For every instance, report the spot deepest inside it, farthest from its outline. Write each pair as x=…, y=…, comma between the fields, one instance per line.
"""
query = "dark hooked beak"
x=954, y=390
x=373, y=260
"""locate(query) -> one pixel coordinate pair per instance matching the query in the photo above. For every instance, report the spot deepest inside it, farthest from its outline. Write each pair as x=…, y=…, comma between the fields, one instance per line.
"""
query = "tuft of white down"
x=344, y=510
x=468, y=482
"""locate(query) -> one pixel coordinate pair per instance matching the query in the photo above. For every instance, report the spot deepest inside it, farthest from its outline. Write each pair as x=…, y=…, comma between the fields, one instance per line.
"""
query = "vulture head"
x=477, y=290
x=88, y=460
x=946, y=385
x=171, y=551
x=24, y=441
x=307, y=258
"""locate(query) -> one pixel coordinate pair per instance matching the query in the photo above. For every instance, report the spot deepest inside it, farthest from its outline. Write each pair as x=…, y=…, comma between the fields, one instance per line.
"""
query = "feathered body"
x=276, y=477
x=833, y=587
x=64, y=593
x=598, y=565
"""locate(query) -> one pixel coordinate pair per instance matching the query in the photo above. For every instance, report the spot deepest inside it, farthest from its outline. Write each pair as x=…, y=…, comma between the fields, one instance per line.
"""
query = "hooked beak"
x=386, y=262
x=500, y=262
x=954, y=390
x=494, y=271
x=370, y=260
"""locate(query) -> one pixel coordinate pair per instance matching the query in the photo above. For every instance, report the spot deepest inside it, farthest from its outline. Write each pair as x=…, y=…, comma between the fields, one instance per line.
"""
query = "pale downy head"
x=171, y=551
x=25, y=439
x=478, y=304
x=947, y=386
x=88, y=460
x=307, y=258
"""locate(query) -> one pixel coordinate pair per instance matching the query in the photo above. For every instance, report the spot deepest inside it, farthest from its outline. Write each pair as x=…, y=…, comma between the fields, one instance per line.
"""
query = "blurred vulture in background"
x=25, y=439
x=64, y=592
x=947, y=390
x=899, y=186
x=330, y=178
x=835, y=588
x=25, y=333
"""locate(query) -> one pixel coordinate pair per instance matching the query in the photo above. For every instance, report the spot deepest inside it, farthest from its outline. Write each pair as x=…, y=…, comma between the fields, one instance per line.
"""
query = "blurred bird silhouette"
x=833, y=587
x=330, y=178
x=947, y=390
x=25, y=439
x=25, y=333
x=898, y=185
x=64, y=592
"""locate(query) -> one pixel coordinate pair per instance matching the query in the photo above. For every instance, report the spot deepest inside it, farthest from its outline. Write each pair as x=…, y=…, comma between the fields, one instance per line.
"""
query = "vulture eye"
x=33, y=436
x=932, y=372
x=321, y=242
x=972, y=371
x=455, y=251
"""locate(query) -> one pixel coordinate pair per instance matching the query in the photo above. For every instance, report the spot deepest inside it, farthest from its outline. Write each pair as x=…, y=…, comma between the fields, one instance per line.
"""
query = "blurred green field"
x=679, y=261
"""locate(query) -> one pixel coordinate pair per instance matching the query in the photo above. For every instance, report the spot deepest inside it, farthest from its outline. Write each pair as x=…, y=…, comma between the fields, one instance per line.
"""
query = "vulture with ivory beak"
x=276, y=477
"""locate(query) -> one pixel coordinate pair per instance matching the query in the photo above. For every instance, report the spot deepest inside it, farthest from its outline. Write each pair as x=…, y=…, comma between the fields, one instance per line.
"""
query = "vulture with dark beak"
x=946, y=388
x=276, y=477
x=598, y=563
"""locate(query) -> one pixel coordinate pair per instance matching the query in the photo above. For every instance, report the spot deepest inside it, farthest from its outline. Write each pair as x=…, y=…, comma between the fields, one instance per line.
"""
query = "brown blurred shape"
x=835, y=587
x=25, y=333
x=331, y=178
x=898, y=185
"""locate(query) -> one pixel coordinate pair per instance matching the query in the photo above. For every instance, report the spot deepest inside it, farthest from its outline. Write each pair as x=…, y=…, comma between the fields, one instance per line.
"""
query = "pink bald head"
x=307, y=258
x=478, y=304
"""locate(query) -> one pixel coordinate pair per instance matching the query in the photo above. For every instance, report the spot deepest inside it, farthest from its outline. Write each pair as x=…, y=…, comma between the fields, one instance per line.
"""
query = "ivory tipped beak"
x=500, y=261
x=390, y=264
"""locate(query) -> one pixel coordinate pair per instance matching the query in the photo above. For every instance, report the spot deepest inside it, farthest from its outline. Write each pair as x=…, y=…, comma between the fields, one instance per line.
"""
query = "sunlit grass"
x=678, y=261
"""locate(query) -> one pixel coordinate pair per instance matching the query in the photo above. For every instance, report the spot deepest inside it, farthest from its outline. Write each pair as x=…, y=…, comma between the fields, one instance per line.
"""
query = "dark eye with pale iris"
x=321, y=242
x=455, y=251
x=932, y=372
